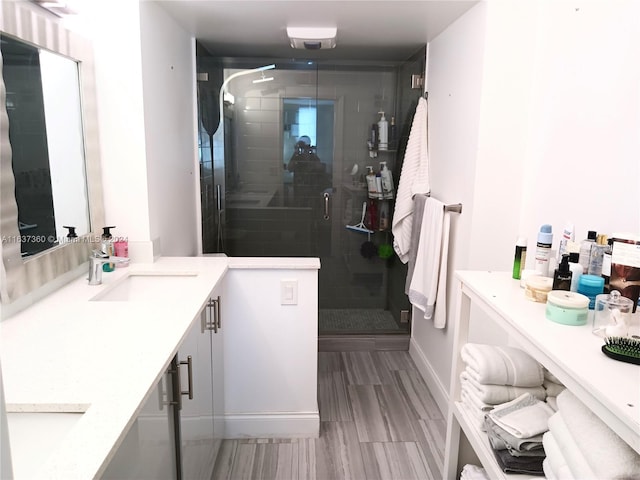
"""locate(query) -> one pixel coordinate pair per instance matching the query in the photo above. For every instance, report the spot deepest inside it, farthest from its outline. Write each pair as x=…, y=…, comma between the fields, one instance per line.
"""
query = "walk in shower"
x=267, y=193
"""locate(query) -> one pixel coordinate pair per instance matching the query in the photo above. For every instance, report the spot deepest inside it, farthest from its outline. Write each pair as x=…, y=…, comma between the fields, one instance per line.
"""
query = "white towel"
x=414, y=179
x=474, y=399
x=472, y=410
x=556, y=461
x=606, y=453
x=572, y=455
x=428, y=289
x=489, y=364
x=419, y=201
x=473, y=472
x=548, y=473
x=524, y=417
x=497, y=394
x=553, y=389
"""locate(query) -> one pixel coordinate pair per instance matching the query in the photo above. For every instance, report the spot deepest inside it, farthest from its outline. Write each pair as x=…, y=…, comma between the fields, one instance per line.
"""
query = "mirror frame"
x=23, y=276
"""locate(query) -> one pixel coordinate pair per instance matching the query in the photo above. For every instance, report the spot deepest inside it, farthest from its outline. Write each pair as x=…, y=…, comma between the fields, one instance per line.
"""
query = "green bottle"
x=520, y=257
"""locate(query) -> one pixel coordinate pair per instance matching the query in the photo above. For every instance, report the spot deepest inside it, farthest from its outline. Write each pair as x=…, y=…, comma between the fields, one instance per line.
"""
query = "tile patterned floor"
x=378, y=421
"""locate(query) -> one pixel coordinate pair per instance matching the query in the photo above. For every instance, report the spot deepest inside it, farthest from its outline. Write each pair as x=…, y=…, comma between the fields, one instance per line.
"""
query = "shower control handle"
x=326, y=205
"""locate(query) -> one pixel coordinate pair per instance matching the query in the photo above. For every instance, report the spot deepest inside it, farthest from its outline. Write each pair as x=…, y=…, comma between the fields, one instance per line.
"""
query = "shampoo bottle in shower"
x=371, y=183
x=387, y=181
x=383, y=132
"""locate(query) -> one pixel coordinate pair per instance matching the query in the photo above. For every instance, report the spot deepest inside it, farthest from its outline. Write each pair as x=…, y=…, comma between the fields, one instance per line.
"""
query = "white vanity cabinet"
x=148, y=450
x=201, y=407
x=611, y=389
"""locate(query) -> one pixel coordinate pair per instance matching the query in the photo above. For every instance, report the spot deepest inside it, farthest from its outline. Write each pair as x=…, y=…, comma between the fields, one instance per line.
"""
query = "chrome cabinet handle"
x=211, y=314
x=218, y=315
x=326, y=205
x=189, y=364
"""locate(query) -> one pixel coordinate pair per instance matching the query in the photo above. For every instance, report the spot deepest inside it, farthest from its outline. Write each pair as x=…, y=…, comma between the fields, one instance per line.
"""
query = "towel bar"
x=455, y=208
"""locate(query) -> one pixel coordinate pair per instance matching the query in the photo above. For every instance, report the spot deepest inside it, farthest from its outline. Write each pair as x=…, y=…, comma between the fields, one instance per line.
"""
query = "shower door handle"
x=325, y=197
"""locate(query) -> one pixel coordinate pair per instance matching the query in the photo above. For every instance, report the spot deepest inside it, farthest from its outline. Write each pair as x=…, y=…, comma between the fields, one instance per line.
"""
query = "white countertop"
x=68, y=354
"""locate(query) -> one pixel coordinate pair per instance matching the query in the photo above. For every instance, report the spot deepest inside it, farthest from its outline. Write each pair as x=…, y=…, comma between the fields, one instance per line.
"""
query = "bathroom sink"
x=141, y=287
x=34, y=436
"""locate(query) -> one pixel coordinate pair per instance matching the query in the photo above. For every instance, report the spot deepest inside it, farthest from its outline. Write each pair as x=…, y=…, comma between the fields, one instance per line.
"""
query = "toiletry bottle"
x=543, y=250
x=384, y=215
x=379, y=190
x=520, y=257
x=371, y=183
x=585, y=250
x=606, y=264
x=562, y=275
x=576, y=270
x=596, y=257
x=374, y=136
x=372, y=221
x=106, y=246
x=393, y=133
x=121, y=248
x=567, y=236
x=387, y=181
x=383, y=132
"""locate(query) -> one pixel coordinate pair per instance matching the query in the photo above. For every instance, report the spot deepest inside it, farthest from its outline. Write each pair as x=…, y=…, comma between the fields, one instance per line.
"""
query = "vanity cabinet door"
x=149, y=449
x=201, y=420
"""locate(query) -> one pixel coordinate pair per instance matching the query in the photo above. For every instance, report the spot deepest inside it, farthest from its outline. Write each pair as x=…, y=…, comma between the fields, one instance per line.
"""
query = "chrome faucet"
x=96, y=261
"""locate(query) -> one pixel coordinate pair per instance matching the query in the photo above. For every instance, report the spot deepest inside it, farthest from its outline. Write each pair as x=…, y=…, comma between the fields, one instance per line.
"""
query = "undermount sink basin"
x=34, y=436
x=146, y=287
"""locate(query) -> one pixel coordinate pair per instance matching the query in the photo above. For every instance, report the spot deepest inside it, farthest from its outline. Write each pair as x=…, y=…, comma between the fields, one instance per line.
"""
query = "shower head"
x=263, y=79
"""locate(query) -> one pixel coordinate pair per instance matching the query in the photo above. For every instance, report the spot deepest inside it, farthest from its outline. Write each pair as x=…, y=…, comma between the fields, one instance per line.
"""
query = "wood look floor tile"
x=243, y=461
x=431, y=436
x=394, y=461
x=330, y=362
x=380, y=414
x=307, y=463
x=365, y=368
x=395, y=360
x=333, y=399
x=224, y=461
x=416, y=395
x=338, y=454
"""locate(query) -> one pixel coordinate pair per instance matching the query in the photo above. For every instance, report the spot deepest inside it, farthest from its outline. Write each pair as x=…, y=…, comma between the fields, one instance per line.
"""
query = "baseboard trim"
x=437, y=389
x=272, y=425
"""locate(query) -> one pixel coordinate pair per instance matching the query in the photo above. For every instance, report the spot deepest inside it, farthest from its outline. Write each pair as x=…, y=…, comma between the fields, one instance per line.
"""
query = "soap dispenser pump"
x=383, y=132
x=106, y=246
x=562, y=275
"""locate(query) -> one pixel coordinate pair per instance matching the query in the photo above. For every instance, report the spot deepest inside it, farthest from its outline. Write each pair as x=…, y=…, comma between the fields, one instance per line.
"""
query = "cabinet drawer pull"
x=218, y=315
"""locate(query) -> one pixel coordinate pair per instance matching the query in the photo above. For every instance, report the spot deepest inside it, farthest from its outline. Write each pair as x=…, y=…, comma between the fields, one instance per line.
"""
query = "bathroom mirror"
x=49, y=152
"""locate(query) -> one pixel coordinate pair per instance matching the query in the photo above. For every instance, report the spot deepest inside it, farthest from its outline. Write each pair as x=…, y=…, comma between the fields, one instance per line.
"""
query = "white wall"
x=168, y=70
x=145, y=76
x=524, y=100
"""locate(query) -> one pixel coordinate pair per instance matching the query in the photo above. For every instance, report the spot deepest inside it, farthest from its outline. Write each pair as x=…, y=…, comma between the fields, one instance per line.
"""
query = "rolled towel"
x=607, y=454
x=497, y=394
x=552, y=402
x=574, y=458
x=553, y=389
x=524, y=417
x=492, y=365
x=557, y=462
x=550, y=376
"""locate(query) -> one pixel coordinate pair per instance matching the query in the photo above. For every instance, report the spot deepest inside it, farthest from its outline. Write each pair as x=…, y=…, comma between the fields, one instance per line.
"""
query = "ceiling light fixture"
x=312, y=38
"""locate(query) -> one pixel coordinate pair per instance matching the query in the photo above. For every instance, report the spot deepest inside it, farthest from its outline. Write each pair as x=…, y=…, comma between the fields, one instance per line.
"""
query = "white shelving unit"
x=611, y=389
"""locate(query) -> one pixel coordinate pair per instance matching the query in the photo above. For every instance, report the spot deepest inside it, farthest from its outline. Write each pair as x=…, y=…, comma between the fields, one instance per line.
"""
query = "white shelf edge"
x=481, y=446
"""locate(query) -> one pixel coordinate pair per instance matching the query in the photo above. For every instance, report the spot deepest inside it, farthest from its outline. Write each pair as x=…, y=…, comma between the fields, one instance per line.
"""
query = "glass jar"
x=611, y=316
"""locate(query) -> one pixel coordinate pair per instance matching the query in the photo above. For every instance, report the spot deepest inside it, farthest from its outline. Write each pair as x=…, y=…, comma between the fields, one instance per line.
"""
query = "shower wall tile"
x=270, y=104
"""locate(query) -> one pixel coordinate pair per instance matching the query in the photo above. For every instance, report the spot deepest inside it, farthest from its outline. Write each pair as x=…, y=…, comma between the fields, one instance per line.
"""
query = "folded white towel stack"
x=606, y=454
x=568, y=449
x=556, y=463
x=497, y=394
x=489, y=364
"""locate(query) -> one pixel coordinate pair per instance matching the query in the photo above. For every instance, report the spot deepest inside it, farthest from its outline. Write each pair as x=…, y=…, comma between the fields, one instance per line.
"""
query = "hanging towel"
x=414, y=179
x=419, y=201
x=494, y=365
x=429, y=281
x=606, y=453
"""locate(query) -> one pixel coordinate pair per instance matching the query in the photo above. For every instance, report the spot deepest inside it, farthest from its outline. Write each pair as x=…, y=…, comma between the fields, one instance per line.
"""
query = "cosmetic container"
x=543, y=250
x=520, y=257
x=537, y=287
x=585, y=250
x=567, y=308
x=562, y=275
x=591, y=286
x=576, y=271
x=612, y=315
